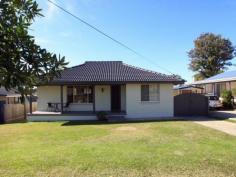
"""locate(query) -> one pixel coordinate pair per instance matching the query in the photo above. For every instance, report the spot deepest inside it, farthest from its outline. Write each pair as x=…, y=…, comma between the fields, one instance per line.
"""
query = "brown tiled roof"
x=111, y=72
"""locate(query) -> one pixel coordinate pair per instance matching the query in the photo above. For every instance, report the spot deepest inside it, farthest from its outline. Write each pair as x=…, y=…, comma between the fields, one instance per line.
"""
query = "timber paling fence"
x=15, y=112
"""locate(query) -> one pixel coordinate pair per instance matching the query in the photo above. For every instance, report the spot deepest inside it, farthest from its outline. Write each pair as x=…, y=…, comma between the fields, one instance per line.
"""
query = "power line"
x=106, y=35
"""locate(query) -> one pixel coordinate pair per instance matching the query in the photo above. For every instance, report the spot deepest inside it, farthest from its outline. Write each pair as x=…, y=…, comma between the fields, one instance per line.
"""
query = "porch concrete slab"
x=221, y=125
x=46, y=112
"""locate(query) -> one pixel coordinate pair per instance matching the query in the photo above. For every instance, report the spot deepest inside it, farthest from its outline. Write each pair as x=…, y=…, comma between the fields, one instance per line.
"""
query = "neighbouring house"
x=11, y=107
x=184, y=89
x=112, y=86
x=9, y=96
x=216, y=84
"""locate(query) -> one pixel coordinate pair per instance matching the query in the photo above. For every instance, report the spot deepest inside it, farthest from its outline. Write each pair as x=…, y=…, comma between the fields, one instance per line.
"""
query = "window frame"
x=73, y=97
x=151, y=93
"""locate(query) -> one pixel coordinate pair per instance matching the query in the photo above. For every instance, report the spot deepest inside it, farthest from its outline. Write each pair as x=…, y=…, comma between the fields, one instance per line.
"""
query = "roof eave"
x=214, y=81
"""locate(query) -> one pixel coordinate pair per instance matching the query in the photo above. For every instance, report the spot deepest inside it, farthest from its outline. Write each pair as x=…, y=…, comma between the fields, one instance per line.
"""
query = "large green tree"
x=211, y=55
x=23, y=63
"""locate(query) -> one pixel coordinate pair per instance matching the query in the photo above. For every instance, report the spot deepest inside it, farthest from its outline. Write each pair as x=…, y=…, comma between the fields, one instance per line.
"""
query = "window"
x=150, y=92
x=80, y=94
x=145, y=93
x=209, y=88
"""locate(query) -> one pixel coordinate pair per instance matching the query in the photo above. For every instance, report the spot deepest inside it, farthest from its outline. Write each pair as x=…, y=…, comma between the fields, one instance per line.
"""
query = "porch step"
x=116, y=118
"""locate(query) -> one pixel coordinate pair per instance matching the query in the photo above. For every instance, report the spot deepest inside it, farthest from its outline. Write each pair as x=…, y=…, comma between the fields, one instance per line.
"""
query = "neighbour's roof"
x=222, y=77
x=111, y=72
x=182, y=87
x=9, y=93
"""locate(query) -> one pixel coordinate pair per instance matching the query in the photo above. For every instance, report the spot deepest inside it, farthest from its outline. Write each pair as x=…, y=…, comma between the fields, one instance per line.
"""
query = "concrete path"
x=224, y=114
x=221, y=125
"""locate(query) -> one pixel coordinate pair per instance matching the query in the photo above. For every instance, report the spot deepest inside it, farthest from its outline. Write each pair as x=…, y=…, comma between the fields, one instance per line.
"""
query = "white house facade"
x=109, y=86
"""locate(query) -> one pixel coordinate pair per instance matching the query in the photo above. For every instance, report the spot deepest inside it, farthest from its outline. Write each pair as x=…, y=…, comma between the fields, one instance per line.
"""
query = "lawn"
x=175, y=148
x=232, y=120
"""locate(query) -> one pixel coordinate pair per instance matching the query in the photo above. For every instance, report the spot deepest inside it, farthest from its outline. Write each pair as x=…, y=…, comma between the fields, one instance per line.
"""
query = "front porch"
x=70, y=115
x=79, y=102
x=82, y=98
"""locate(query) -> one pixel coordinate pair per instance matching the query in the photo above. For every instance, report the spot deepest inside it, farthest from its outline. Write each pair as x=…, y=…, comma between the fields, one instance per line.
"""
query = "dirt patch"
x=178, y=153
x=126, y=128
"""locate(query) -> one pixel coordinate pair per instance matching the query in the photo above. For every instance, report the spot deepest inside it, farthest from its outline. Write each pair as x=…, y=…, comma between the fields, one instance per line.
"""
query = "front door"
x=115, y=98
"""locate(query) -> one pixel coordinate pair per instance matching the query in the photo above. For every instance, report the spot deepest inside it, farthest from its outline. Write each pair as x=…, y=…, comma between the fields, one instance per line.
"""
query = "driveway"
x=221, y=125
x=230, y=114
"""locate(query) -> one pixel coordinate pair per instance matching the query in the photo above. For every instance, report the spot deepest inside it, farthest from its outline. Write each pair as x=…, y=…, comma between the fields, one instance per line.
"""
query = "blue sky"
x=162, y=30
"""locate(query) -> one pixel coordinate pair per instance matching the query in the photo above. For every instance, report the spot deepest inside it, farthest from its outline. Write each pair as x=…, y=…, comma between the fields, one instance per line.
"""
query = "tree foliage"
x=23, y=63
x=210, y=56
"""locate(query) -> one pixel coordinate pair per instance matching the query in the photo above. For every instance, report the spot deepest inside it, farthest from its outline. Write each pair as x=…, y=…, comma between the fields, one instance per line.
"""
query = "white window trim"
x=150, y=101
x=74, y=90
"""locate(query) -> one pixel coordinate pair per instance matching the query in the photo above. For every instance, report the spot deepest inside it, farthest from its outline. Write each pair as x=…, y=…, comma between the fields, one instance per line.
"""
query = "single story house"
x=112, y=86
x=215, y=84
x=183, y=89
x=10, y=96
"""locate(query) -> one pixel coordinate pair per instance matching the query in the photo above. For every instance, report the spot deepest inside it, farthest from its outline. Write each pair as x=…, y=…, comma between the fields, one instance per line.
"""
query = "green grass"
x=176, y=148
x=231, y=120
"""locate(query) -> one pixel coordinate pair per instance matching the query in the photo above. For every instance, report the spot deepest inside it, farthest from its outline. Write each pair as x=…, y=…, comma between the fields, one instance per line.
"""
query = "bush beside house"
x=102, y=116
x=227, y=99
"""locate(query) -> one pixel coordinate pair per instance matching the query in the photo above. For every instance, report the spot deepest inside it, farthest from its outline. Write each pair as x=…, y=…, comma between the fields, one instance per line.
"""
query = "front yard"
x=176, y=148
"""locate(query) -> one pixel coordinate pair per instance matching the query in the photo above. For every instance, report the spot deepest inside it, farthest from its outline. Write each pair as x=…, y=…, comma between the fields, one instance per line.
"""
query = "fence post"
x=2, y=118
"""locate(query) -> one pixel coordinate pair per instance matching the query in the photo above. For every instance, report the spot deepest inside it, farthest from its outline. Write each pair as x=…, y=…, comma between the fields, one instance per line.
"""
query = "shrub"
x=234, y=91
x=102, y=115
x=227, y=97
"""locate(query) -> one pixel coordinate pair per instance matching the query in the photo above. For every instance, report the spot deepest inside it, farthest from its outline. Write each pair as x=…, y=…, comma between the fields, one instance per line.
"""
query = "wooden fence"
x=191, y=104
x=14, y=112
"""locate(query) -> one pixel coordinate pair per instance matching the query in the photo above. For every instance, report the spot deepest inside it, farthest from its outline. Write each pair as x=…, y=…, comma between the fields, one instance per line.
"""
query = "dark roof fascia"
x=109, y=82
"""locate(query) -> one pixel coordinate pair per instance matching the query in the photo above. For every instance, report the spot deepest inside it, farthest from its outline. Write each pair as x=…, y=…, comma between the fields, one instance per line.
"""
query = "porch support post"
x=94, y=98
x=61, y=98
x=30, y=101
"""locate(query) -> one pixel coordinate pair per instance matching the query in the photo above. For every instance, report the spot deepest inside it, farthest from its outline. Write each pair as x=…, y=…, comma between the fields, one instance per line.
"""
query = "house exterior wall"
x=218, y=87
x=80, y=107
x=130, y=100
x=52, y=94
x=137, y=109
x=48, y=94
x=187, y=90
x=233, y=85
x=102, y=97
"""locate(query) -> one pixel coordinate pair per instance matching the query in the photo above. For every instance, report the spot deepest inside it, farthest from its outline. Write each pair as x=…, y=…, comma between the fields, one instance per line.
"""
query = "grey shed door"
x=191, y=104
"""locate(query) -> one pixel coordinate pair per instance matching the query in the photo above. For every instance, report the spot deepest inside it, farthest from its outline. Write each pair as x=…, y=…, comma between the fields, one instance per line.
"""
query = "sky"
x=161, y=30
